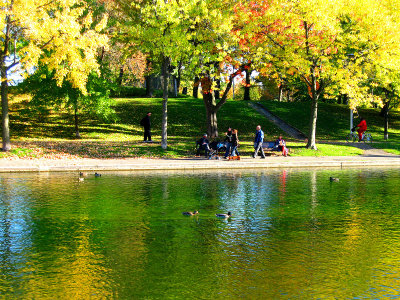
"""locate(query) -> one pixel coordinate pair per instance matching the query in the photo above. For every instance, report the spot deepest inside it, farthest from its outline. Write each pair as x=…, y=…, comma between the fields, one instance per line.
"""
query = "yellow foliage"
x=58, y=34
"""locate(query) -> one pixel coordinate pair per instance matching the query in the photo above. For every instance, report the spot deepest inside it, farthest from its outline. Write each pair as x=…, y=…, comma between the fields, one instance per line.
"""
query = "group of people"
x=231, y=143
x=280, y=144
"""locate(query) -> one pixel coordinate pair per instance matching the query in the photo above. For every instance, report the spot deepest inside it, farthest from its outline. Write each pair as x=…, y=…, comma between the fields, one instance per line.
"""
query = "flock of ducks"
x=82, y=176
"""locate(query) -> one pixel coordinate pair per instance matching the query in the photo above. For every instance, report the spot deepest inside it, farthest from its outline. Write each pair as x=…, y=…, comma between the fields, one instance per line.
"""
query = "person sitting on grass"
x=203, y=144
x=281, y=145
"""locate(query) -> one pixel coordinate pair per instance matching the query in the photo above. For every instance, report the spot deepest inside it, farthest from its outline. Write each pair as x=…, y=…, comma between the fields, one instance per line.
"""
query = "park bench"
x=271, y=148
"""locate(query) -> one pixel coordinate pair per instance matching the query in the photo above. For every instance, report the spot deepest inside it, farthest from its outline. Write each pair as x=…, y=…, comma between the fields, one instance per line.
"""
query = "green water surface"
x=294, y=235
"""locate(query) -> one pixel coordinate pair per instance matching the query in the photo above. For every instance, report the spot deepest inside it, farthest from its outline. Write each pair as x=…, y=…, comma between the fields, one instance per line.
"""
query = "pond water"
x=293, y=235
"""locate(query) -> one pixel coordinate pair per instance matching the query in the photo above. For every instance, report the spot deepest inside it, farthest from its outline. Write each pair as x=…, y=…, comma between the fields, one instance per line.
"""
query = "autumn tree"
x=62, y=35
x=288, y=36
x=335, y=43
x=159, y=28
x=217, y=60
x=46, y=92
x=373, y=32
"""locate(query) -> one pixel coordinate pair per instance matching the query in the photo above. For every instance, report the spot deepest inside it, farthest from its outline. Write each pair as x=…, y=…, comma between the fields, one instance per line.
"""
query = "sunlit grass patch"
x=18, y=152
x=52, y=134
x=299, y=149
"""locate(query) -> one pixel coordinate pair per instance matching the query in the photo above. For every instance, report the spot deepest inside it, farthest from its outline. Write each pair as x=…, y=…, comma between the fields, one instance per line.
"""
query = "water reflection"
x=293, y=234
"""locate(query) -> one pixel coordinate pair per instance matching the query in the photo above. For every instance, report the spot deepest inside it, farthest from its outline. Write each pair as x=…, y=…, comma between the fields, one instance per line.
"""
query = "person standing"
x=235, y=143
x=145, y=122
x=258, y=142
x=228, y=142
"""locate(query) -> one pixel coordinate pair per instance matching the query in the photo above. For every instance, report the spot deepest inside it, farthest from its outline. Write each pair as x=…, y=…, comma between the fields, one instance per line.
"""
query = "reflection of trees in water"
x=290, y=232
x=15, y=226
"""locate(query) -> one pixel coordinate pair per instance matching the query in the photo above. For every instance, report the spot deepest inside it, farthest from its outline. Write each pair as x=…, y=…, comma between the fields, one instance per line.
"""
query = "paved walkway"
x=45, y=165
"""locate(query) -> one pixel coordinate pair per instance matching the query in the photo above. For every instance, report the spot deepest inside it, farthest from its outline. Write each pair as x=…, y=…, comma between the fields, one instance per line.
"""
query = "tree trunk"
x=211, y=114
x=311, y=144
x=313, y=125
x=345, y=99
x=4, y=108
x=281, y=92
x=165, y=72
x=196, y=87
x=76, y=117
x=247, y=86
x=149, y=86
x=217, y=95
x=179, y=77
x=121, y=75
x=385, y=111
x=175, y=86
x=209, y=102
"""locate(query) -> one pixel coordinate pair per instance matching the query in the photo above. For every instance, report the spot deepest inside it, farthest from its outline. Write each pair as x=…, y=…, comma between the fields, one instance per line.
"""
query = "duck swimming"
x=189, y=213
x=224, y=215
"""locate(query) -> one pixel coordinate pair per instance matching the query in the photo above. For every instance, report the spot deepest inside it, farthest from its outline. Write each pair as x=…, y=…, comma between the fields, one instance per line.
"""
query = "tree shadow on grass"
x=98, y=149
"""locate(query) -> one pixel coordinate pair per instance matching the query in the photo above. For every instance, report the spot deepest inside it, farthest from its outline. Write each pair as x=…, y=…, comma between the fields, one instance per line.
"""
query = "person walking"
x=258, y=142
x=228, y=142
x=145, y=122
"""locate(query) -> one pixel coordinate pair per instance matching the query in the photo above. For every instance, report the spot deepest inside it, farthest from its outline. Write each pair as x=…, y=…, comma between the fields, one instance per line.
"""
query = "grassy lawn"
x=50, y=134
x=334, y=119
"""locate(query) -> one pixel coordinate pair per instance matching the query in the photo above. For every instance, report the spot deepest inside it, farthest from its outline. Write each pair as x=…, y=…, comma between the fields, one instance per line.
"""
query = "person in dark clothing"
x=235, y=143
x=145, y=122
x=228, y=142
x=203, y=144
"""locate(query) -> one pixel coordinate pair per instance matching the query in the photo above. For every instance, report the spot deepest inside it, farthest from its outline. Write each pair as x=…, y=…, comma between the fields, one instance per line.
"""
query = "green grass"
x=334, y=122
x=51, y=133
x=298, y=149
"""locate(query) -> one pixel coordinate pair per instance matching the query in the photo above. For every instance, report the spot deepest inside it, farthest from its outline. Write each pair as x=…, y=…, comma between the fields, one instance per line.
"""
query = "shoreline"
x=246, y=163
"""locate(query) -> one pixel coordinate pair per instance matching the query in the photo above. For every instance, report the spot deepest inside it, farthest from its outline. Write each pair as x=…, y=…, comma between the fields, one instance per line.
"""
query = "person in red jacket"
x=362, y=127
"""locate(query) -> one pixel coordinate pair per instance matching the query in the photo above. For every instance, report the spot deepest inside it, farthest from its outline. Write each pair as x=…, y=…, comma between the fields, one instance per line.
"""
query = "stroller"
x=215, y=149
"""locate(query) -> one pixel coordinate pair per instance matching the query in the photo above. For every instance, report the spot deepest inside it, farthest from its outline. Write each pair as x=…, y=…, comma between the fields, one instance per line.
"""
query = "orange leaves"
x=206, y=84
